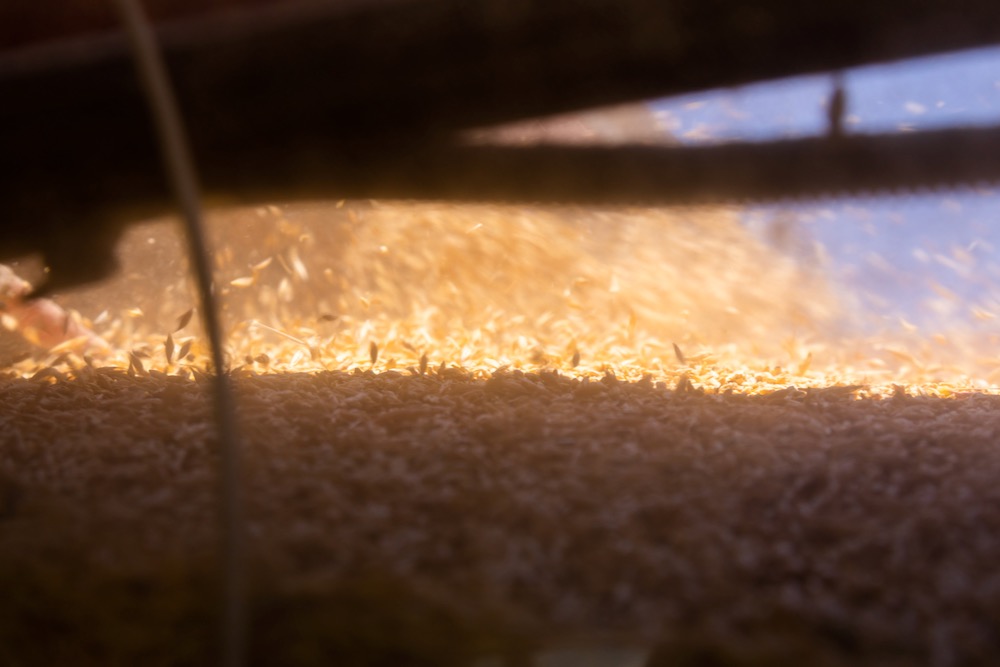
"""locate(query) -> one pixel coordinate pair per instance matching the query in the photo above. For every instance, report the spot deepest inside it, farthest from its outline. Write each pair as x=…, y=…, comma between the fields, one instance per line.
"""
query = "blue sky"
x=925, y=258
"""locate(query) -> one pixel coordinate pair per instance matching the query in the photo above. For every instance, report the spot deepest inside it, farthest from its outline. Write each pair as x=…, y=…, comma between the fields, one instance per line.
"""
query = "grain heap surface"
x=471, y=438
x=442, y=517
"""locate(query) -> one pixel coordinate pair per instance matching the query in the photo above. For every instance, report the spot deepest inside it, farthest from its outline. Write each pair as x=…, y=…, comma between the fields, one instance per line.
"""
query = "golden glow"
x=686, y=297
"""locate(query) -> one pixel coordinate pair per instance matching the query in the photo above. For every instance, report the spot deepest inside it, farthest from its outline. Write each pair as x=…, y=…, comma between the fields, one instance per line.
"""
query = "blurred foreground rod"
x=181, y=172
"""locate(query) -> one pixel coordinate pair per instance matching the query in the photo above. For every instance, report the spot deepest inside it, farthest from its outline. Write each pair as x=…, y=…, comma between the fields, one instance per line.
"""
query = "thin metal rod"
x=183, y=177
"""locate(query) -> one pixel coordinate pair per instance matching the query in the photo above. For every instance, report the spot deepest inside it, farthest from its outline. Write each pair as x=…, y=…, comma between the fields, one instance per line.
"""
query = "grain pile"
x=438, y=484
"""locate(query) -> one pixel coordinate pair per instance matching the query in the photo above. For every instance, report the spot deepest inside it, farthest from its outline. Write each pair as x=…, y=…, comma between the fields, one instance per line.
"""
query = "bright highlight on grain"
x=686, y=297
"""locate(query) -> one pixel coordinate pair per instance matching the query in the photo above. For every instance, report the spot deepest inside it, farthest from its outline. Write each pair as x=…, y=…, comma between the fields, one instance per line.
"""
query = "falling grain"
x=48, y=373
x=135, y=362
x=61, y=360
x=373, y=352
x=904, y=357
x=836, y=392
x=423, y=363
x=168, y=346
x=185, y=349
x=297, y=265
x=72, y=344
x=284, y=334
x=183, y=320
x=804, y=365
x=679, y=354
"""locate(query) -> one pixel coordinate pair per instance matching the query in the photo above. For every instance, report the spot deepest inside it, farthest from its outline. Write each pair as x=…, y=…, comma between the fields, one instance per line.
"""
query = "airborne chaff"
x=184, y=319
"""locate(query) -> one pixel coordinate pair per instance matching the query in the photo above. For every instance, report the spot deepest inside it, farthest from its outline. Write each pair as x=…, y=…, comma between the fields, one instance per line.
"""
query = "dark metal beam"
x=292, y=95
x=645, y=175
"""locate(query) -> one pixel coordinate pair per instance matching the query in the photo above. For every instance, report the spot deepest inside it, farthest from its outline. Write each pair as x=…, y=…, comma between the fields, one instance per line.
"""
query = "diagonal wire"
x=180, y=167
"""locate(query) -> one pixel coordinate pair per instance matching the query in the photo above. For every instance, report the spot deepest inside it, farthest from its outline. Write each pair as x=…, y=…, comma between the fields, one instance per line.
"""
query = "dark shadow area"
x=440, y=519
